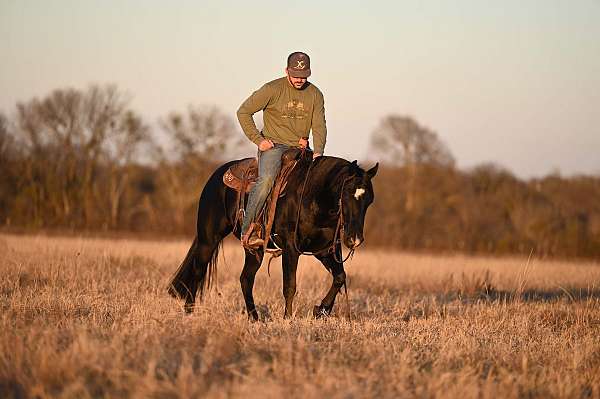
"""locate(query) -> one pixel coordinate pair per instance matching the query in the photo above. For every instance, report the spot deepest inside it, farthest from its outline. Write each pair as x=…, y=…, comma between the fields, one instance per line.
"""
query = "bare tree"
x=67, y=136
x=7, y=146
x=198, y=139
x=10, y=167
x=400, y=140
x=205, y=132
x=133, y=133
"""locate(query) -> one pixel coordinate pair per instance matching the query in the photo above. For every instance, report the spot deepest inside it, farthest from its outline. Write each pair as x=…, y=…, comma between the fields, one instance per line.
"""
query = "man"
x=292, y=107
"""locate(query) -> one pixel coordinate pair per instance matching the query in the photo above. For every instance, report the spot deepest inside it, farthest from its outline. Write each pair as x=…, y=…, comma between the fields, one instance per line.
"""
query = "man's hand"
x=265, y=145
x=303, y=142
x=316, y=155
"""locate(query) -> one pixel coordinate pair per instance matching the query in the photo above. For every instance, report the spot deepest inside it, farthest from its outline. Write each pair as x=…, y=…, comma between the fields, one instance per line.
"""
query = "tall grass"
x=91, y=318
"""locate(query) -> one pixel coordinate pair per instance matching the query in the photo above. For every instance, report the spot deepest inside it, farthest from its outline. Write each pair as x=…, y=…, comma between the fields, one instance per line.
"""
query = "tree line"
x=85, y=160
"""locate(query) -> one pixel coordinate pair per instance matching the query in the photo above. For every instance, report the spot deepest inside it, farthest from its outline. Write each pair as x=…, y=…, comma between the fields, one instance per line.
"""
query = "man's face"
x=296, y=82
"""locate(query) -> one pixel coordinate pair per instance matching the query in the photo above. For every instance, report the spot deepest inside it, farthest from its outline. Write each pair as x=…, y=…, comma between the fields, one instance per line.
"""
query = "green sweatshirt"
x=288, y=114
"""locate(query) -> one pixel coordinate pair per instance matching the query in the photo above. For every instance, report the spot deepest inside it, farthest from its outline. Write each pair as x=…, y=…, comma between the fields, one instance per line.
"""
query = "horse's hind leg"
x=339, y=278
x=195, y=271
x=212, y=227
x=206, y=257
x=251, y=266
x=215, y=214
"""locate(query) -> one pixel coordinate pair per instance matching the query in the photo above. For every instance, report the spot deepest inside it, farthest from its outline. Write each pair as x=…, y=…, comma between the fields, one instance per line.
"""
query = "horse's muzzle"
x=353, y=243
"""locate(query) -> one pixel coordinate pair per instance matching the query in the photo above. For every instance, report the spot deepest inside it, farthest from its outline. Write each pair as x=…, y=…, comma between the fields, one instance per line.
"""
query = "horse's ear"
x=373, y=171
x=355, y=163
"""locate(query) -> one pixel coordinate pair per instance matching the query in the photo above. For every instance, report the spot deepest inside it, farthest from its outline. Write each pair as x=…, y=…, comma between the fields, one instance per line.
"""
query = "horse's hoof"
x=253, y=316
x=188, y=308
x=320, y=312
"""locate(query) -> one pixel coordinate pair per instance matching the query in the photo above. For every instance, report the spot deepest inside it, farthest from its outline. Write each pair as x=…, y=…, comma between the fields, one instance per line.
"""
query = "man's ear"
x=373, y=171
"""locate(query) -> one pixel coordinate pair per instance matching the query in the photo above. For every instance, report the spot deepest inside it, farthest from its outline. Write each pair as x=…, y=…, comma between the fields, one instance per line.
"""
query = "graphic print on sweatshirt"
x=294, y=109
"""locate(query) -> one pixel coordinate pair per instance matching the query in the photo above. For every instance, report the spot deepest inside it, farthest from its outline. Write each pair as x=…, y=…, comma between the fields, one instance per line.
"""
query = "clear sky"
x=512, y=82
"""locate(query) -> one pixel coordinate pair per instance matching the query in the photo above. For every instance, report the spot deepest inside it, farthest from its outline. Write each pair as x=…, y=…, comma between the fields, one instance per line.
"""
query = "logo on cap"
x=298, y=65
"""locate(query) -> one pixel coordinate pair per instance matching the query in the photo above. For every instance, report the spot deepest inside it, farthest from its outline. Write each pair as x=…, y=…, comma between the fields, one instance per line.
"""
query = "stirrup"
x=252, y=240
x=275, y=253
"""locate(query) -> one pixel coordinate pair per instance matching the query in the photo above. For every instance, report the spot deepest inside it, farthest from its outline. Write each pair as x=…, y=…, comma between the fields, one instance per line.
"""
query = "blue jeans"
x=269, y=163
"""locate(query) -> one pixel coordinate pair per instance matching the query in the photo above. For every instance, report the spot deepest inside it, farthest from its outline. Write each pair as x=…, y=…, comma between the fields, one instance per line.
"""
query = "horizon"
x=514, y=84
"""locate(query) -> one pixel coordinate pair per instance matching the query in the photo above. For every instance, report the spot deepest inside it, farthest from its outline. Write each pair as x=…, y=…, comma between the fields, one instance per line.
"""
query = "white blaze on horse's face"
x=358, y=193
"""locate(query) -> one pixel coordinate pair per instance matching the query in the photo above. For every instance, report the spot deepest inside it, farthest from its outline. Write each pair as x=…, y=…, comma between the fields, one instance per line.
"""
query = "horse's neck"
x=328, y=176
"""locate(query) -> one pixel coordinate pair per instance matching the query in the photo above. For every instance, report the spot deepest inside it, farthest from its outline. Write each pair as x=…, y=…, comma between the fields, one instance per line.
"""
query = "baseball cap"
x=298, y=65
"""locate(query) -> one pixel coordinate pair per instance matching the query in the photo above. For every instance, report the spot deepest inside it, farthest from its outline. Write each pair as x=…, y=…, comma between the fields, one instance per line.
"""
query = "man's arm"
x=257, y=101
x=319, y=129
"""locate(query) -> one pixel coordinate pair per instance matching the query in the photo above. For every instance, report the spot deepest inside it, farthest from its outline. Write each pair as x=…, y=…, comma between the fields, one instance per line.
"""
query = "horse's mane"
x=325, y=173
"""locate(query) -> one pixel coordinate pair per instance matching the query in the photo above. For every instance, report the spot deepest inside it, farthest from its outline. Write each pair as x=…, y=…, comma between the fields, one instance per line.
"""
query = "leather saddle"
x=242, y=176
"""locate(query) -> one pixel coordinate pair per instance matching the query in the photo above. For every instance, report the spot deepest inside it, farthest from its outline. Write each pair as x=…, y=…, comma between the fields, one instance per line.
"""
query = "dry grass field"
x=91, y=318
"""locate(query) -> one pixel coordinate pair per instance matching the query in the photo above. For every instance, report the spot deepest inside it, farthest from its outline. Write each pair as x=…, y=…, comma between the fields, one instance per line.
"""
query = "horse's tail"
x=211, y=272
x=183, y=279
x=193, y=273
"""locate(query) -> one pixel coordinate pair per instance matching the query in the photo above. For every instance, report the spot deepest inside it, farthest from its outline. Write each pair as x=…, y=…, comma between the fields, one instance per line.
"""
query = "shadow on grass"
x=469, y=289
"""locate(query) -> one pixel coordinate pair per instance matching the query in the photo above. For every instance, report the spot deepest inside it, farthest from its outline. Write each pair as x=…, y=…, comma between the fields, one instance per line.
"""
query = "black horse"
x=325, y=203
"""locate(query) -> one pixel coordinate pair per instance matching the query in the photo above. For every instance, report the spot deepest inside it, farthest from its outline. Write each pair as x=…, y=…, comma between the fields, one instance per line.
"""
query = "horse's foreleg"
x=339, y=278
x=290, y=264
x=251, y=266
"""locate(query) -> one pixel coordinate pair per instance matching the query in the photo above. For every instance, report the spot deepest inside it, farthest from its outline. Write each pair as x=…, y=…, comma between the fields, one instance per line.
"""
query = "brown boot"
x=252, y=240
